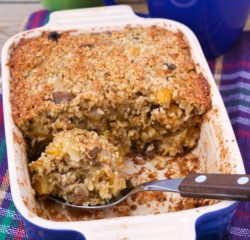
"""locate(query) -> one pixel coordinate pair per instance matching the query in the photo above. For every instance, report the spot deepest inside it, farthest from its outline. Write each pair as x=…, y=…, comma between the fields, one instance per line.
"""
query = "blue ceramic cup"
x=216, y=23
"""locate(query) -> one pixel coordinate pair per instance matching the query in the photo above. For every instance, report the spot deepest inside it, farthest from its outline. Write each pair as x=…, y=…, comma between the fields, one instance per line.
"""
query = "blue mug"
x=216, y=23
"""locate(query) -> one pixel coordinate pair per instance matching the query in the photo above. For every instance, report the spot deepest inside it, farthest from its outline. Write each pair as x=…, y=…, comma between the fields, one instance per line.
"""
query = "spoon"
x=212, y=186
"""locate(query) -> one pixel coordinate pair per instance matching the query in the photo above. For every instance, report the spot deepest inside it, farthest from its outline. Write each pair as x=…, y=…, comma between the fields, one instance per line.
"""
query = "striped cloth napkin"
x=232, y=75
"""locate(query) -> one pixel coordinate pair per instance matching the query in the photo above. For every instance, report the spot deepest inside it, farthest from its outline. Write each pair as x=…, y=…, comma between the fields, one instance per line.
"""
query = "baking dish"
x=217, y=149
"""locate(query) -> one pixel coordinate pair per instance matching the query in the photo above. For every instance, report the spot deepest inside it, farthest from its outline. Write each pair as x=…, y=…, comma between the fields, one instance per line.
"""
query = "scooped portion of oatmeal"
x=79, y=166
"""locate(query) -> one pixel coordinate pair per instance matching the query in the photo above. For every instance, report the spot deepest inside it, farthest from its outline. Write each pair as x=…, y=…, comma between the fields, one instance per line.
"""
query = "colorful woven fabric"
x=232, y=75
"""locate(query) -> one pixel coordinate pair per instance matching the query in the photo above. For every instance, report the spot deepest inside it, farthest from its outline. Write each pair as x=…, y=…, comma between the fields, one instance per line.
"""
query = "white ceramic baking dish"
x=217, y=149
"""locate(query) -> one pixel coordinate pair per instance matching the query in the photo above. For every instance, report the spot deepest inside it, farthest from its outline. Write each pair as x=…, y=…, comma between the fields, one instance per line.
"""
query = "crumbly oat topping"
x=137, y=87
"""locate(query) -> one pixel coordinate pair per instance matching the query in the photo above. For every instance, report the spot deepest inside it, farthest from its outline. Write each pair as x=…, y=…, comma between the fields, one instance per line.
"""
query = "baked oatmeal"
x=138, y=170
x=80, y=167
x=138, y=87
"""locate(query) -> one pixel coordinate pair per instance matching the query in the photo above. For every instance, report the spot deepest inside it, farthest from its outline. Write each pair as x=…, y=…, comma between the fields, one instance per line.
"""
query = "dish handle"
x=90, y=17
x=146, y=227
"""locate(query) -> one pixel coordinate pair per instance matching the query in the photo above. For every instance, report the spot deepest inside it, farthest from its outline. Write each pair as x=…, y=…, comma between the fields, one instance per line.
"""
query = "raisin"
x=154, y=106
x=138, y=93
x=62, y=97
x=134, y=146
x=88, y=45
x=170, y=66
x=54, y=36
x=156, y=143
x=92, y=154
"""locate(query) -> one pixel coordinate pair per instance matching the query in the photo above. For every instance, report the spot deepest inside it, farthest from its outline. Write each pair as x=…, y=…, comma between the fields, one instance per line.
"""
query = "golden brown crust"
x=138, y=87
x=129, y=61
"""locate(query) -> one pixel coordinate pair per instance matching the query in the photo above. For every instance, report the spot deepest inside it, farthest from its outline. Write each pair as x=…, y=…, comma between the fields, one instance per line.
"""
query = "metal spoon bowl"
x=213, y=186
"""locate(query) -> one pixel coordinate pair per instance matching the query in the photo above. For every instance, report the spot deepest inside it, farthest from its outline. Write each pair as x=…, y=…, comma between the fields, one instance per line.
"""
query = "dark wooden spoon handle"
x=216, y=186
